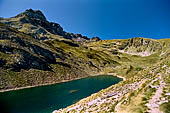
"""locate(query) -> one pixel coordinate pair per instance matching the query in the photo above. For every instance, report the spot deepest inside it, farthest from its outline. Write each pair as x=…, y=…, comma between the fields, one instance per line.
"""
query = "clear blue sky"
x=108, y=19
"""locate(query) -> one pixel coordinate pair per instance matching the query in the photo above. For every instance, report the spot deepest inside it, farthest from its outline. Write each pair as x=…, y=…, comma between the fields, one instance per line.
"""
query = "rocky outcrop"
x=26, y=54
x=33, y=14
x=95, y=39
x=140, y=46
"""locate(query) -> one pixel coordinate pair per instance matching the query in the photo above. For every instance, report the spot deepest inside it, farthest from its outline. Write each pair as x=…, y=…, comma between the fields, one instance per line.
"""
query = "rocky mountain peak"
x=95, y=39
x=34, y=14
x=35, y=24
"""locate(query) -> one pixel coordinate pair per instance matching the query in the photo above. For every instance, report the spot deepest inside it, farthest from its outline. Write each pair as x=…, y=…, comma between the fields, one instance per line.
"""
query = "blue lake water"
x=45, y=99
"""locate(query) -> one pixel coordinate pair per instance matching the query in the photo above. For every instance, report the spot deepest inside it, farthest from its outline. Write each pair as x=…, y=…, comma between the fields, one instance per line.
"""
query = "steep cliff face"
x=141, y=46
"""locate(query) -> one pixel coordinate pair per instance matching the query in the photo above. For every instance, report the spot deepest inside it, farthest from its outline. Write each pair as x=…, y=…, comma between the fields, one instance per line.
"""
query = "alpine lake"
x=46, y=99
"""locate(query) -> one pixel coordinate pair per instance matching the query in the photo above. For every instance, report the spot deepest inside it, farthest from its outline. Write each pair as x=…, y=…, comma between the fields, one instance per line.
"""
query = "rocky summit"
x=34, y=51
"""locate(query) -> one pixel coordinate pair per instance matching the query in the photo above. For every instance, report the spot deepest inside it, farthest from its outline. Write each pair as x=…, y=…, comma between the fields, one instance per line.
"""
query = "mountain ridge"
x=35, y=22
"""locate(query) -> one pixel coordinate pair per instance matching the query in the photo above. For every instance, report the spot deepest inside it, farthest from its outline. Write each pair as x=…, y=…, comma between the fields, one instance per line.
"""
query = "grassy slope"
x=131, y=64
x=133, y=94
x=28, y=61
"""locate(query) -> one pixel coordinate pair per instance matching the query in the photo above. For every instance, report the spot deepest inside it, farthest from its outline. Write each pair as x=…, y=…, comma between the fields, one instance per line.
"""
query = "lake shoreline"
x=114, y=74
x=62, y=81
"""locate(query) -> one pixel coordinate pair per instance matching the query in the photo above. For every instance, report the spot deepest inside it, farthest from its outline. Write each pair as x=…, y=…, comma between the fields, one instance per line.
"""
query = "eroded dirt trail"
x=155, y=101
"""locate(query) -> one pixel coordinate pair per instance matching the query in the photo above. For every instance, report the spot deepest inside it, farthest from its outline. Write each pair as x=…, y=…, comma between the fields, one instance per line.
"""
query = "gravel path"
x=154, y=103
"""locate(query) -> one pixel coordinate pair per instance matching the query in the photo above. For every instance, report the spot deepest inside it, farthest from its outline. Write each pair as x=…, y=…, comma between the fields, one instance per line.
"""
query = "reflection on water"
x=73, y=91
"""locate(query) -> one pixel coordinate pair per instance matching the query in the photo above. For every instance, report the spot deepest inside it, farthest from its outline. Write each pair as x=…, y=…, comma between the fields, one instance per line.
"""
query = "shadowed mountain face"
x=35, y=51
x=21, y=53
